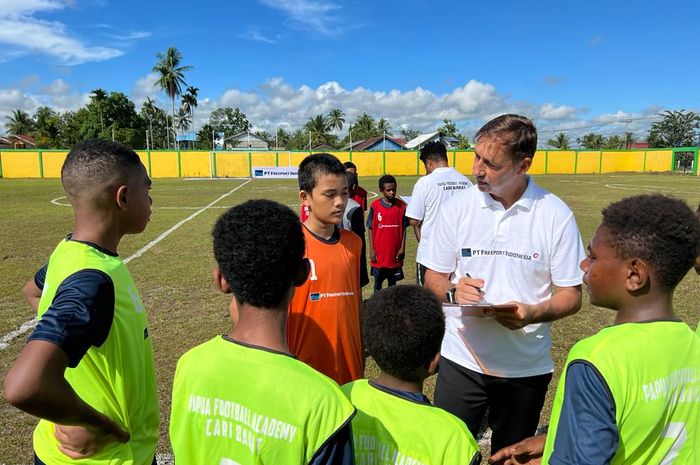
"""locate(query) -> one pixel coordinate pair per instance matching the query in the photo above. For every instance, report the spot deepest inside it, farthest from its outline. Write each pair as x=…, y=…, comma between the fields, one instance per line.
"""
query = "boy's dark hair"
x=94, y=164
x=352, y=180
x=386, y=179
x=315, y=165
x=515, y=131
x=259, y=246
x=434, y=151
x=403, y=327
x=349, y=164
x=661, y=230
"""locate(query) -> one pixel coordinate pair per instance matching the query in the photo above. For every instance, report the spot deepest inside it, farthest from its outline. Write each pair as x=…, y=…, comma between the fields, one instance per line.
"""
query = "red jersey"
x=387, y=224
x=303, y=213
x=360, y=197
x=323, y=329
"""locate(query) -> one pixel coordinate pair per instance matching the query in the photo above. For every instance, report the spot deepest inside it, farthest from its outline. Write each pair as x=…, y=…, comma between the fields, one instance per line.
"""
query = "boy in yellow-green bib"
x=630, y=394
x=87, y=371
x=403, y=327
x=243, y=398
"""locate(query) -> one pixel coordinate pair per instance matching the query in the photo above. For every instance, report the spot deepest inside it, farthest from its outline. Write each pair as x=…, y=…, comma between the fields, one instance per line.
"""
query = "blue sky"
x=596, y=66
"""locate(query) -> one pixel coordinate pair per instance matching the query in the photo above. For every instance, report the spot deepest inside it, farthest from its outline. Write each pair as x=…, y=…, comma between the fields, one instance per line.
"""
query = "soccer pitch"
x=172, y=262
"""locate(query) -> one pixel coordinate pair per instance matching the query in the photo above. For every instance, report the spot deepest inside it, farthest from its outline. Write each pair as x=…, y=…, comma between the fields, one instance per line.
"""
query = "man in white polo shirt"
x=439, y=185
x=508, y=240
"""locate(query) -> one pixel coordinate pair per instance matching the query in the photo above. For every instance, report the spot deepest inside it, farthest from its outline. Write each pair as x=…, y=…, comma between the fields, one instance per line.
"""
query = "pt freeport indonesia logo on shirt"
x=468, y=252
x=316, y=296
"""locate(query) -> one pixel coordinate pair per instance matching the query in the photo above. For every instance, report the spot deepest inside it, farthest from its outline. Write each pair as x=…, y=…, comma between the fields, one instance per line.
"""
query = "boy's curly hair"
x=661, y=230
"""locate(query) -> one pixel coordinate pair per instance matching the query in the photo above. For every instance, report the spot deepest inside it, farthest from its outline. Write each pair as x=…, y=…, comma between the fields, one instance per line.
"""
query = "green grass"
x=174, y=276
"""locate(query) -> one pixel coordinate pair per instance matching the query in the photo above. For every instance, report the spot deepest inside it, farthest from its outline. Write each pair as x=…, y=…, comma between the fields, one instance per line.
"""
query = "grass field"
x=173, y=275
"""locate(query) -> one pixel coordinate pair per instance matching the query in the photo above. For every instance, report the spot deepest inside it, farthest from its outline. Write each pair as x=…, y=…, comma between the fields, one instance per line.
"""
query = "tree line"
x=112, y=115
x=675, y=129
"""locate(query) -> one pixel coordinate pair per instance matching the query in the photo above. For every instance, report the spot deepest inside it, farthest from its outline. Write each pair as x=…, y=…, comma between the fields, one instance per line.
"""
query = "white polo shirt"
x=429, y=193
x=519, y=253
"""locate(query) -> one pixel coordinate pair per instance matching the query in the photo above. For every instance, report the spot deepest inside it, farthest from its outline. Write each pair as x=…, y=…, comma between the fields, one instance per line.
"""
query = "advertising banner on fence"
x=275, y=171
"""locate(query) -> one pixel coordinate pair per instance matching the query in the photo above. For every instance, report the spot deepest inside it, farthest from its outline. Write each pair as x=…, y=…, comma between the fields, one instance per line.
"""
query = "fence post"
x=250, y=165
x=576, y=162
x=644, y=163
x=216, y=175
x=179, y=162
x=277, y=159
x=148, y=161
x=546, y=161
x=383, y=163
x=0, y=164
x=41, y=164
x=673, y=160
x=695, y=162
x=417, y=163
x=600, y=162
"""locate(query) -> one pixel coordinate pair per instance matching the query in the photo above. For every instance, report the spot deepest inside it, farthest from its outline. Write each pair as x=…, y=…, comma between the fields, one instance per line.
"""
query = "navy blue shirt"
x=587, y=432
x=81, y=313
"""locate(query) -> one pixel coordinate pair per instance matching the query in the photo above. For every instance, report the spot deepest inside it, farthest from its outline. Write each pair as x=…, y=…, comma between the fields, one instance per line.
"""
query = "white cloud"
x=21, y=33
x=57, y=87
x=130, y=35
x=551, y=112
x=320, y=16
x=253, y=34
x=596, y=41
x=143, y=88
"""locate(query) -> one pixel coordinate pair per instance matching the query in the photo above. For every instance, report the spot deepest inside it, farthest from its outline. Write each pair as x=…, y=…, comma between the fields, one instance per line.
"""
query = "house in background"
x=379, y=143
x=245, y=141
x=420, y=141
x=20, y=141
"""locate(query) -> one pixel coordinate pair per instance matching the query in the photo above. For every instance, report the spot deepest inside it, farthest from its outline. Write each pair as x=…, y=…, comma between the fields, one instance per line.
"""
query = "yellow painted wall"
x=588, y=162
x=464, y=162
x=20, y=164
x=164, y=164
x=232, y=165
x=53, y=162
x=401, y=163
x=368, y=163
x=25, y=164
x=622, y=161
x=196, y=164
x=659, y=160
x=143, y=155
x=538, y=162
x=560, y=162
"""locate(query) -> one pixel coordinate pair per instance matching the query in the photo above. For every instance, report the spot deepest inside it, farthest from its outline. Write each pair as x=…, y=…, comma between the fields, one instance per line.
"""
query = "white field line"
x=27, y=325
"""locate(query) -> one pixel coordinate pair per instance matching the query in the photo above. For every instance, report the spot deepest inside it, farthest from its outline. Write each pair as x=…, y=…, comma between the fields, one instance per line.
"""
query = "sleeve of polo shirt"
x=567, y=254
x=586, y=432
x=441, y=254
x=369, y=218
x=80, y=315
x=416, y=206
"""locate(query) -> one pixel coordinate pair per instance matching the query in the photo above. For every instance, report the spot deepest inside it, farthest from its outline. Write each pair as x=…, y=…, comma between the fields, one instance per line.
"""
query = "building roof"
x=422, y=140
x=244, y=135
x=364, y=144
x=12, y=141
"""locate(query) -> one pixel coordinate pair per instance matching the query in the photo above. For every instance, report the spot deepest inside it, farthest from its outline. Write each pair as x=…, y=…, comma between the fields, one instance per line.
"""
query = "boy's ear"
x=433, y=365
x=638, y=274
x=304, y=197
x=302, y=273
x=220, y=282
x=120, y=196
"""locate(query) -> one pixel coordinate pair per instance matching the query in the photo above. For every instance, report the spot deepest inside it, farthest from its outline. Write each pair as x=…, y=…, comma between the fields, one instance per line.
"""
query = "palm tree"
x=317, y=130
x=149, y=107
x=630, y=139
x=19, y=123
x=335, y=119
x=189, y=101
x=172, y=76
x=99, y=96
x=383, y=126
x=364, y=127
x=182, y=120
x=560, y=141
